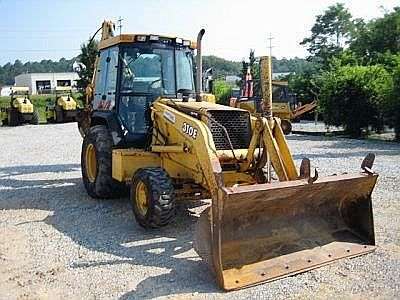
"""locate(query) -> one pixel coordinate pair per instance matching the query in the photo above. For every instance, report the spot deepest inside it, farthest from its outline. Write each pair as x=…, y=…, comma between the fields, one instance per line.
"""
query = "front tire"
x=59, y=114
x=13, y=117
x=35, y=118
x=96, y=164
x=286, y=126
x=152, y=197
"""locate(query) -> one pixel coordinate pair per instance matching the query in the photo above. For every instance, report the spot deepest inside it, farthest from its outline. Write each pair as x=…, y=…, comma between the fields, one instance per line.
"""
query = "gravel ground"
x=56, y=242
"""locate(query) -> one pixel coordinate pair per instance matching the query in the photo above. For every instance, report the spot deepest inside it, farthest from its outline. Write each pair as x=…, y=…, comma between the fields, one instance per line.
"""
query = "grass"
x=39, y=103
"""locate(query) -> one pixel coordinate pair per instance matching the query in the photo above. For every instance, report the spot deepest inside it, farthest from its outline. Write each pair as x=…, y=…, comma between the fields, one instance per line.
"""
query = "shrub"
x=355, y=97
x=222, y=92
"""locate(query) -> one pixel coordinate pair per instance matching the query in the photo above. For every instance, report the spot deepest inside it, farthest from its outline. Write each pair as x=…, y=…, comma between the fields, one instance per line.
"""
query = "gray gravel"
x=56, y=242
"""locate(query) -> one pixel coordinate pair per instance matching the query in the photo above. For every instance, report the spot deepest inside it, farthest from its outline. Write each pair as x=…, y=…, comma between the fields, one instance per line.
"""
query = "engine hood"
x=204, y=106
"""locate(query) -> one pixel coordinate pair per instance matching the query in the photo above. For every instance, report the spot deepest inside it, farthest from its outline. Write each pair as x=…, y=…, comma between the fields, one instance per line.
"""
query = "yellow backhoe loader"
x=147, y=125
x=20, y=110
x=64, y=109
x=284, y=104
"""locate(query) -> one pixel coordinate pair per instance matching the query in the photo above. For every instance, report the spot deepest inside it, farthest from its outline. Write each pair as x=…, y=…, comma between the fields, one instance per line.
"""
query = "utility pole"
x=120, y=24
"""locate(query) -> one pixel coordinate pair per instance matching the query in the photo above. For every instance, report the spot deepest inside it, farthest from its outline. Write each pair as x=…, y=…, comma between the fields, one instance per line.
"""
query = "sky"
x=32, y=30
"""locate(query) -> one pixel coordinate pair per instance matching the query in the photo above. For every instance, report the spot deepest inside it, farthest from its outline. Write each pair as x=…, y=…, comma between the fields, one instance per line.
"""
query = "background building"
x=42, y=83
x=5, y=91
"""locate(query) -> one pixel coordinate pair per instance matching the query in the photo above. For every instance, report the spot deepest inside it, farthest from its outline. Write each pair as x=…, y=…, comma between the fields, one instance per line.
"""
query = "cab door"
x=106, y=80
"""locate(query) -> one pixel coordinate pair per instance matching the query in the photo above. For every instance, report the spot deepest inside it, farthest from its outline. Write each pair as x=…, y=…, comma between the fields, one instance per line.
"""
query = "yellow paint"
x=142, y=198
x=282, y=110
x=131, y=38
x=266, y=84
x=208, y=98
x=283, y=146
x=91, y=163
x=24, y=105
x=170, y=149
x=125, y=162
x=66, y=102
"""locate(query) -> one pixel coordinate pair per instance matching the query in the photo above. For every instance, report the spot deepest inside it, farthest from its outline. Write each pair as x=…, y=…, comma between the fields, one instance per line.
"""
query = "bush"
x=393, y=109
x=222, y=92
x=355, y=97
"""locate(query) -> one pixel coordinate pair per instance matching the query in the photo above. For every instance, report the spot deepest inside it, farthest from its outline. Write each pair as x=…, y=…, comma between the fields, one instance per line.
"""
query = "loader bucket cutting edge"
x=270, y=231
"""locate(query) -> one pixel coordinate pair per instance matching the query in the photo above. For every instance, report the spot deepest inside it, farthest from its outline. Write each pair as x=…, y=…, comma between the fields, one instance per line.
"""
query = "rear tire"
x=96, y=164
x=35, y=118
x=159, y=207
x=286, y=126
x=13, y=117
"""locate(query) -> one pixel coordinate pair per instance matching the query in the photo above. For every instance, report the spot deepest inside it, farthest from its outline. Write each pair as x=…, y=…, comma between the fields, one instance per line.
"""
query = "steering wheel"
x=155, y=81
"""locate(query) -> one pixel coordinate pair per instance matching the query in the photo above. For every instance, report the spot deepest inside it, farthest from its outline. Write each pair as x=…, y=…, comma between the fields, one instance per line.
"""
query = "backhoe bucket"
x=264, y=232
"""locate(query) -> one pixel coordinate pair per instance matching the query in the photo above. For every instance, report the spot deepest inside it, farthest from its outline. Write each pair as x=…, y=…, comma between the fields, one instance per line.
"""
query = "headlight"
x=178, y=41
x=154, y=37
x=141, y=38
x=186, y=43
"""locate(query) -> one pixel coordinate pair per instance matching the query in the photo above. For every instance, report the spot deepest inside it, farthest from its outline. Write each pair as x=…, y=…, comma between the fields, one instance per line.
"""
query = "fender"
x=109, y=119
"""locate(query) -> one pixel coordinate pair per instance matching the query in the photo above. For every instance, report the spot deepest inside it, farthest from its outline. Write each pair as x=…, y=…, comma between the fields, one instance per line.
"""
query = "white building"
x=41, y=83
x=232, y=79
x=5, y=91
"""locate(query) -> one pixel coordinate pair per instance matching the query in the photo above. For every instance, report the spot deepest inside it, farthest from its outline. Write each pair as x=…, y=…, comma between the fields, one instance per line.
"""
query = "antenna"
x=120, y=24
x=270, y=38
x=269, y=46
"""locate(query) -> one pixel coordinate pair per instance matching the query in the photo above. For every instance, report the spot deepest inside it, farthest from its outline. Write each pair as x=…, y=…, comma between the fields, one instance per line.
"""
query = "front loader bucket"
x=265, y=232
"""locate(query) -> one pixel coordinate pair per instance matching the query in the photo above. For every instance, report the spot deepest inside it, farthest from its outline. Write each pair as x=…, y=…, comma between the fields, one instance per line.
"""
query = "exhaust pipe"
x=199, y=64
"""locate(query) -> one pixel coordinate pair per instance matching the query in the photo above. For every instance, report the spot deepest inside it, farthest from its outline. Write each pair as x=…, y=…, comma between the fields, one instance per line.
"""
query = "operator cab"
x=135, y=70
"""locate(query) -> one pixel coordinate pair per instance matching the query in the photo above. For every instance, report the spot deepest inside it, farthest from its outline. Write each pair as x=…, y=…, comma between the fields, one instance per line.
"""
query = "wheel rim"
x=91, y=163
x=141, y=198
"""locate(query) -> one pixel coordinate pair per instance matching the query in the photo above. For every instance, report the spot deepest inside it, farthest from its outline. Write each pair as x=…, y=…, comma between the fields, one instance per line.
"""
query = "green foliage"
x=378, y=37
x=221, y=67
x=222, y=92
x=393, y=109
x=291, y=65
x=87, y=57
x=329, y=34
x=355, y=97
x=305, y=86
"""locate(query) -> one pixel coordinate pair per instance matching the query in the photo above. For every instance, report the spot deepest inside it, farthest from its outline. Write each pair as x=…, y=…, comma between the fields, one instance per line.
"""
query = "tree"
x=242, y=75
x=393, y=109
x=355, y=97
x=305, y=85
x=330, y=34
x=378, y=37
x=89, y=52
x=221, y=67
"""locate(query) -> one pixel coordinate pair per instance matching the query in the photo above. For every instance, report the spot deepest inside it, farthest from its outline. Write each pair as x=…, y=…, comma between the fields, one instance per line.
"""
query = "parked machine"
x=284, y=103
x=148, y=126
x=20, y=109
x=64, y=108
